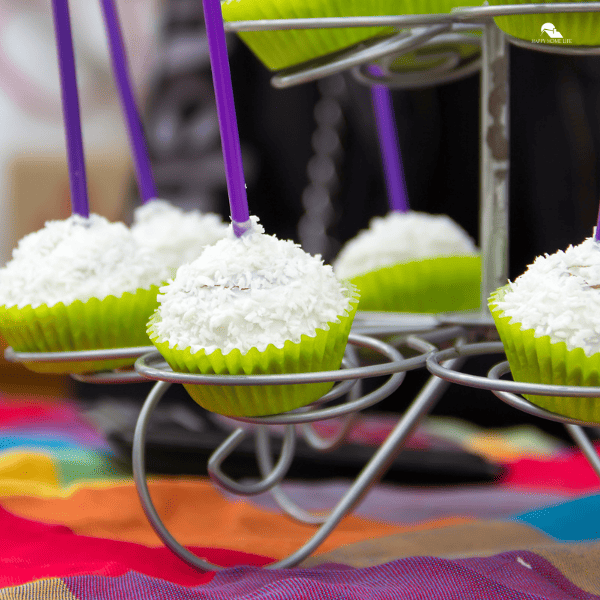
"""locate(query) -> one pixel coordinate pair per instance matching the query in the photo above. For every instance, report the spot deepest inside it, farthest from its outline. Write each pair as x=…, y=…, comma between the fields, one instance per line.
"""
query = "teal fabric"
x=573, y=521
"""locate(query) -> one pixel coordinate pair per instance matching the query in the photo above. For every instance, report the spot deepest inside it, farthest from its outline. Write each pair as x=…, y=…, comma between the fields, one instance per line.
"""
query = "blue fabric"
x=573, y=521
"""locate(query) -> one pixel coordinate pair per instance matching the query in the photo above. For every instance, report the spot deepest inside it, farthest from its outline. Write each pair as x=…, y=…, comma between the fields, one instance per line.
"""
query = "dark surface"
x=181, y=436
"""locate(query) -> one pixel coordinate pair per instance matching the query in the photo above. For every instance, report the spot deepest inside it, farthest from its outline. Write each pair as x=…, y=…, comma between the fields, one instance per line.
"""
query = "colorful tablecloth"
x=71, y=525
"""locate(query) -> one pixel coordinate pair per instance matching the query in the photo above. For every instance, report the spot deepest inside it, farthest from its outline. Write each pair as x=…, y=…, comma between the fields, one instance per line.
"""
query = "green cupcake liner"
x=538, y=360
x=432, y=285
x=93, y=325
x=285, y=48
x=323, y=352
x=582, y=29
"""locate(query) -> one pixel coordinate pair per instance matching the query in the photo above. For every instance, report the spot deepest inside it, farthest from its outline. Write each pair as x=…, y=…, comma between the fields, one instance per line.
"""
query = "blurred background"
x=555, y=136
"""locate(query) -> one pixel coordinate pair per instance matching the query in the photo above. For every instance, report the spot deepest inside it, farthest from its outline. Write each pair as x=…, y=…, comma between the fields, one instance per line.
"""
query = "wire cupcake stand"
x=378, y=342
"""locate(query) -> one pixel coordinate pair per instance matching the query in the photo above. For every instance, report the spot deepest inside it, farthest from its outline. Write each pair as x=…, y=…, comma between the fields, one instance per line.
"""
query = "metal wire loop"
x=270, y=478
x=76, y=355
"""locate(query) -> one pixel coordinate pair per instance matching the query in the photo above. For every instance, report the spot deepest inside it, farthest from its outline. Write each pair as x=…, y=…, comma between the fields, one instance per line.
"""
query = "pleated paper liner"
x=285, y=48
x=93, y=325
x=581, y=29
x=432, y=285
x=538, y=360
x=323, y=352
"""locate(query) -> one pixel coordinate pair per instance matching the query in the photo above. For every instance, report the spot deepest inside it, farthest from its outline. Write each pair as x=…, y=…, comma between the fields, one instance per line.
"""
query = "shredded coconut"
x=559, y=296
x=177, y=235
x=401, y=237
x=77, y=259
x=249, y=292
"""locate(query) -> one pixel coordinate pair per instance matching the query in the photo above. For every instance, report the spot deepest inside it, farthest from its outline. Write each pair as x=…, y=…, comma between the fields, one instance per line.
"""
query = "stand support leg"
x=494, y=162
x=376, y=467
x=139, y=475
x=583, y=441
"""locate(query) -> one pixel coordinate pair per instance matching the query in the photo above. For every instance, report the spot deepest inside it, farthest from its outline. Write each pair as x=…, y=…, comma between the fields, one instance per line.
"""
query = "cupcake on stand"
x=176, y=235
x=408, y=261
x=83, y=283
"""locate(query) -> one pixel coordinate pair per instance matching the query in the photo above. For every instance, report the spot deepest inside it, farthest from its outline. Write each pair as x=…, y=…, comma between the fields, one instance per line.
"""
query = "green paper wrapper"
x=538, y=360
x=323, y=352
x=432, y=285
x=285, y=48
x=582, y=29
x=96, y=324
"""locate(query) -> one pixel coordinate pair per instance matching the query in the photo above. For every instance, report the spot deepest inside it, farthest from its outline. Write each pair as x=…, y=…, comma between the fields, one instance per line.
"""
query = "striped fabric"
x=71, y=525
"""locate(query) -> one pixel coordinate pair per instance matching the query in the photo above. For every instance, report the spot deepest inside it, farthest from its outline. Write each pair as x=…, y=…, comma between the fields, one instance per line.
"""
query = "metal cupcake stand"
x=439, y=343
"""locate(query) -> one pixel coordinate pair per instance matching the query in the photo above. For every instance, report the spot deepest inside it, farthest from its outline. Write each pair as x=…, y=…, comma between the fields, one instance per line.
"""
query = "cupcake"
x=177, y=236
x=254, y=305
x=579, y=29
x=412, y=262
x=279, y=49
x=78, y=284
x=549, y=322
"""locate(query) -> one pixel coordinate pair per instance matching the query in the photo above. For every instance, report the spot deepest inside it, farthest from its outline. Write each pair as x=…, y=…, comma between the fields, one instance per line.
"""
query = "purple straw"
x=230, y=137
x=388, y=143
x=70, y=104
x=137, y=141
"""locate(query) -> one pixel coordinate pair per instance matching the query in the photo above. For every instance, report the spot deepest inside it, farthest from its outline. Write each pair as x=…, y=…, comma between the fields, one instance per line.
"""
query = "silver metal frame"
x=410, y=29
x=443, y=47
x=107, y=377
x=271, y=476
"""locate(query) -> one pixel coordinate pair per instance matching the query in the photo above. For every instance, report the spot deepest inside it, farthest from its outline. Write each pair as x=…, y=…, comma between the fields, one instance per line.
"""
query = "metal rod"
x=265, y=465
x=318, y=442
x=109, y=377
x=375, y=468
x=494, y=144
x=271, y=478
x=77, y=355
x=369, y=51
x=396, y=364
x=139, y=476
x=583, y=441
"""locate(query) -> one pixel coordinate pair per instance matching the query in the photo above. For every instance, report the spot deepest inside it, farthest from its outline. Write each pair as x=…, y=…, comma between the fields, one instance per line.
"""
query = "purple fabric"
x=405, y=505
x=512, y=575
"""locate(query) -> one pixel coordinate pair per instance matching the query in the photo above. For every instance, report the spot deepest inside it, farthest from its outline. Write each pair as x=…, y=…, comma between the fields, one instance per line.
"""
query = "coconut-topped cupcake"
x=78, y=284
x=549, y=322
x=178, y=236
x=412, y=262
x=559, y=296
x=254, y=304
x=77, y=259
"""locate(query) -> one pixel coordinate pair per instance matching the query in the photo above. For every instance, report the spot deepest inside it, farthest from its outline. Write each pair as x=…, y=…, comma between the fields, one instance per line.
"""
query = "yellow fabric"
x=30, y=473
x=54, y=589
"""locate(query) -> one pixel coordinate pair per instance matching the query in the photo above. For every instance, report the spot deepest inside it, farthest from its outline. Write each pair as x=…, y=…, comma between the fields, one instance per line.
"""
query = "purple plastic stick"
x=137, y=140
x=389, y=146
x=230, y=137
x=70, y=105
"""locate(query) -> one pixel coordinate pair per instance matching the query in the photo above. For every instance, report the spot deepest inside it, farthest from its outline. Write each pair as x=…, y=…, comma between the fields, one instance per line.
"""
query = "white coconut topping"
x=401, y=237
x=249, y=292
x=77, y=259
x=559, y=296
x=177, y=235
